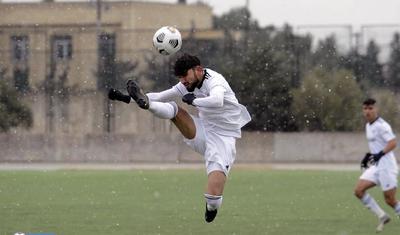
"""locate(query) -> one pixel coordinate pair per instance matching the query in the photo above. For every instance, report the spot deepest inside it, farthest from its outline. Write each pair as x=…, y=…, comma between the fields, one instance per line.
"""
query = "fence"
x=347, y=37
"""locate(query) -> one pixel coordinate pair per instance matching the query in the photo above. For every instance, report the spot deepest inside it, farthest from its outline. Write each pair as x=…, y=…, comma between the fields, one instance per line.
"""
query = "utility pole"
x=107, y=103
x=98, y=17
x=247, y=26
x=357, y=42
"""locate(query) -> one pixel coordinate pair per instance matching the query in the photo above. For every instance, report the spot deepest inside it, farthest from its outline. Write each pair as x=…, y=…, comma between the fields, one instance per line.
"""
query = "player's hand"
x=188, y=98
x=365, y=160
x=376, y=157
x=114, y=94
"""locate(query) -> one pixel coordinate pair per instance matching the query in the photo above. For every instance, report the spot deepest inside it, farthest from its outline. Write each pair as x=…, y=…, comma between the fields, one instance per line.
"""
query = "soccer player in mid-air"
x=213, y=133
x=379, y=163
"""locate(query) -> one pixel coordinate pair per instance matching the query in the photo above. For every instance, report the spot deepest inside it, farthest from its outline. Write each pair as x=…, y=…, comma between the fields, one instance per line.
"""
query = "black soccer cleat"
x=114, y=94
x=137, y=94
x=209, y=216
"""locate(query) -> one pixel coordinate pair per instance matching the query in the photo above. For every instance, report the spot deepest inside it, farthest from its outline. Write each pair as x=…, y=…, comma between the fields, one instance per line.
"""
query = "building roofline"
x=39, y=3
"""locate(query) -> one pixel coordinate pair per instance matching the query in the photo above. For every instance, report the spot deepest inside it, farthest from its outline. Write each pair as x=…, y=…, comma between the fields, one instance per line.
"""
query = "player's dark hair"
x=184, y=63
x=369, y=101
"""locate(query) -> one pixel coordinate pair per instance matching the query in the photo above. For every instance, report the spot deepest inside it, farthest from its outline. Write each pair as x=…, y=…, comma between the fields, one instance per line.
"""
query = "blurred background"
x=302, y=68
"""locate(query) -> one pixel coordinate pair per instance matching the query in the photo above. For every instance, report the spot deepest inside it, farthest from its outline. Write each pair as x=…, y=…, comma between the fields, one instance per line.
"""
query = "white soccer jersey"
x=225, y=120
x=379, y=133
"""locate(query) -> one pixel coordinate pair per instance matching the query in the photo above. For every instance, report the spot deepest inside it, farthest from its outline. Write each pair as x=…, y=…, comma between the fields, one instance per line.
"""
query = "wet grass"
x=171, y=202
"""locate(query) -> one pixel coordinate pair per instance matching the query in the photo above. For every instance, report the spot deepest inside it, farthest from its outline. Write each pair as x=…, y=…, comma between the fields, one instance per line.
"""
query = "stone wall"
x=169, y=148
x=75, y=132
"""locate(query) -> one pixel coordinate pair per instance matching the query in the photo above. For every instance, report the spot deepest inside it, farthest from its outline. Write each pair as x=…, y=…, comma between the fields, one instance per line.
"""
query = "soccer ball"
x=167, y=40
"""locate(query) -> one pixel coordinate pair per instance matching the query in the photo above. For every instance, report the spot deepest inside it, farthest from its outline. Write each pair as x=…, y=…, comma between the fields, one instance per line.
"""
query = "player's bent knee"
x=190, y=135
x=359, y=193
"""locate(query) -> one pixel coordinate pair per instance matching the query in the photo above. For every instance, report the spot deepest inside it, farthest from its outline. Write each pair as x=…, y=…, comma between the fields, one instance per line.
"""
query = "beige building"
x=56, y=41
x=57, y=37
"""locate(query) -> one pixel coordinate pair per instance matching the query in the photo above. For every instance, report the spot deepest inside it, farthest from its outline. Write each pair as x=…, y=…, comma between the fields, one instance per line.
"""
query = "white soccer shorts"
x=219, y=151
x=386, y=178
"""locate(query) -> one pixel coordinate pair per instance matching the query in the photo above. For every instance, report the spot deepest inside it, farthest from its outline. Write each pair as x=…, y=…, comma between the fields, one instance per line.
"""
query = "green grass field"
x=171, y=202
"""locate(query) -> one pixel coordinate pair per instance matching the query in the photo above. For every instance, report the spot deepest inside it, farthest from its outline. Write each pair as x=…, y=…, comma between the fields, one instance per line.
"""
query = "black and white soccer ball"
x=167, y=40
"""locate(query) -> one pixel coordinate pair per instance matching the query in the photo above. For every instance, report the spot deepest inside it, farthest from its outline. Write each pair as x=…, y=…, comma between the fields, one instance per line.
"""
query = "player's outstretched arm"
x=214, y=100
x=114, y=94
x=164, y=96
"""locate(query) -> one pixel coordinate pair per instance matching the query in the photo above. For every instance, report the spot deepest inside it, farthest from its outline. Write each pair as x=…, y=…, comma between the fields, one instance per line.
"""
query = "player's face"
x=370, y=112
x=191, y=79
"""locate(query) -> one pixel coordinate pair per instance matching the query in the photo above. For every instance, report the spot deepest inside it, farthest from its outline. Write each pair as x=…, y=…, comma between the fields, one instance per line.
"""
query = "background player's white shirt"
x=225, y=120
x=379, y=133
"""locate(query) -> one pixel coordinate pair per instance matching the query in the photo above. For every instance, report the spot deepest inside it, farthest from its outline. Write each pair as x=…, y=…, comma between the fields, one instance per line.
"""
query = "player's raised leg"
x=182, y=120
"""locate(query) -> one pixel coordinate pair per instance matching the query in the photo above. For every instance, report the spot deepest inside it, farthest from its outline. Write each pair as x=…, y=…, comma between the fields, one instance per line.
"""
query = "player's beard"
x=192, y=86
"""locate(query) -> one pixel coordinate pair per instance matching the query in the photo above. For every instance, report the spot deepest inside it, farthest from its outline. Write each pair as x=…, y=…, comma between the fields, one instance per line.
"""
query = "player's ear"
x=199, y=68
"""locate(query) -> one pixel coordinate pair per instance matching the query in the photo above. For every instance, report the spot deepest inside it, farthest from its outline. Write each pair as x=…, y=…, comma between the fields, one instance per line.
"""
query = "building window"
x=20, y=48
x=107, y=46
x=62, y=47
x=106, y=61
x=21, y=79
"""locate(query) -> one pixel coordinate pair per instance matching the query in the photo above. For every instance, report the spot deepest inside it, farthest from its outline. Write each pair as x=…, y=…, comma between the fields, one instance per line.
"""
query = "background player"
x=380, y=164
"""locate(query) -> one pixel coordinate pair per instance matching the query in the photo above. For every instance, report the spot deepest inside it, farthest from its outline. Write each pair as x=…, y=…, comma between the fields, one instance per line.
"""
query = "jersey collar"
x=374, y=120
x=205, y=76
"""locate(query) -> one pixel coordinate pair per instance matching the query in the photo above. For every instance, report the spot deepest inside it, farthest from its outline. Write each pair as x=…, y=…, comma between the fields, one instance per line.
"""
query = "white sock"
x=371, y=204
x=163, y=110
x=213, y=202
x=397, y=208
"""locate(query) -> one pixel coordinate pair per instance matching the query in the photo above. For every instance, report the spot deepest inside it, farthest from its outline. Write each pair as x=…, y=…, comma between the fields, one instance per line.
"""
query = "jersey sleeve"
x=164, y=96
x=215, y=99
x=386, y=132
x=181, y=89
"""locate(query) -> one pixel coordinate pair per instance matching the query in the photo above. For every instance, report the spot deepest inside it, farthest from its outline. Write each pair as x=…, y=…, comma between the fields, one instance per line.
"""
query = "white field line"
x=168, y=166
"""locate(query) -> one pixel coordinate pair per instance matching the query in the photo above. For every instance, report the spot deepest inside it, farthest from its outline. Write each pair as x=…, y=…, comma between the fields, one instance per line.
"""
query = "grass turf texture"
x=171, y=202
